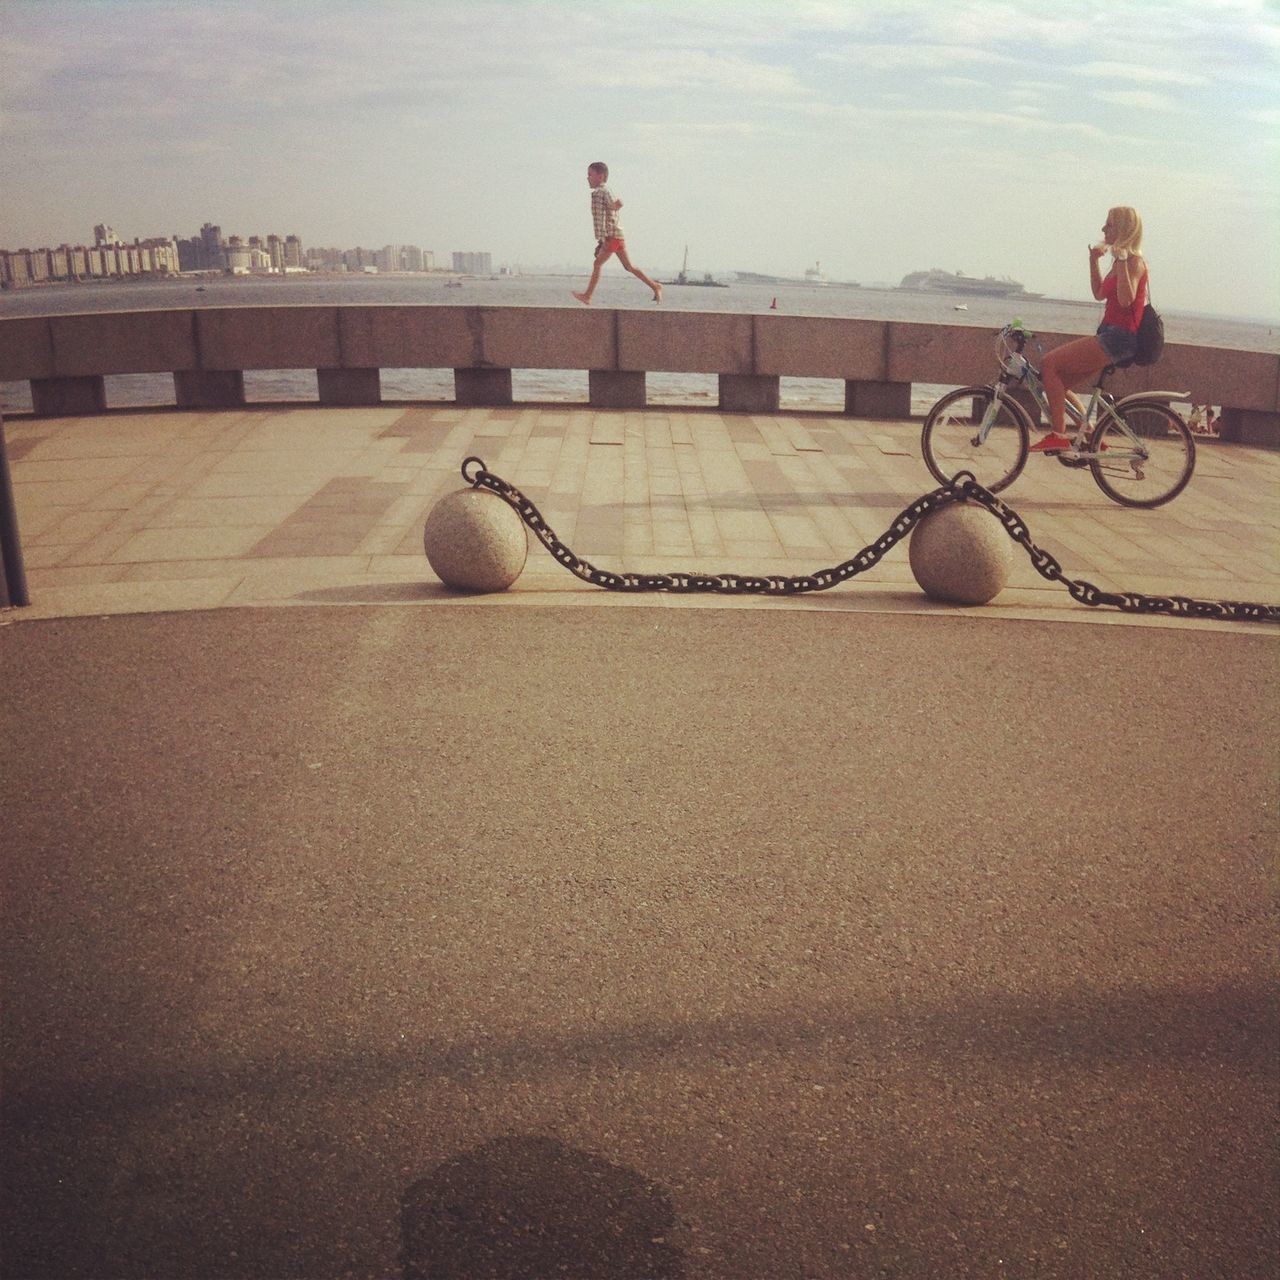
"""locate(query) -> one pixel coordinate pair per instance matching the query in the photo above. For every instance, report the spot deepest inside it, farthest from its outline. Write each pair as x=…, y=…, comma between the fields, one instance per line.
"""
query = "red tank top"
x=1121, y=316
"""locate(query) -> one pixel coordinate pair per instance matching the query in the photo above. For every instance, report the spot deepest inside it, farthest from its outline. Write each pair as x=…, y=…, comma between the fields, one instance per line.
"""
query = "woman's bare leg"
x=1074, y=362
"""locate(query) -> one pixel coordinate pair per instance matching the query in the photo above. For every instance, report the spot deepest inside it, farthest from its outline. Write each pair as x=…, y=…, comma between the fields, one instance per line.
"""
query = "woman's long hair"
x=1128, y=228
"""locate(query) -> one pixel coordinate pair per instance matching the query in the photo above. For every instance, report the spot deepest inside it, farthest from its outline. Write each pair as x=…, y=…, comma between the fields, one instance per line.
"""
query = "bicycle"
x=1140, y=452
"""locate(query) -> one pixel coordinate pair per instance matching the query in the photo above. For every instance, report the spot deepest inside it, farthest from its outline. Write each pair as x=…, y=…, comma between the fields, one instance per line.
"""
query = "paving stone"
x=156, y=492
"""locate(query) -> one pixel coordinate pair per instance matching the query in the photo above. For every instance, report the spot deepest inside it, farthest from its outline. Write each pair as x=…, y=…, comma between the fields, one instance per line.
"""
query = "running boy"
x=609, y=236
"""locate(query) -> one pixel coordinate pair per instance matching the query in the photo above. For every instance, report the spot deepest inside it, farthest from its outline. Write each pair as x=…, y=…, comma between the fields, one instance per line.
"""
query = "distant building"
x=212, y=257
x=400, y=257
x=476, y=264
x=108, y=256
x=323, y=260
x=111, y=256
x=237, y=256
x=163, y=255
x=15, y=268
x=188, y=253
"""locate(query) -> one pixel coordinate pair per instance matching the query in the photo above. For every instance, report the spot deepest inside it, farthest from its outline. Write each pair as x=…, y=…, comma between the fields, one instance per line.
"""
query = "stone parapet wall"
x=879, y=360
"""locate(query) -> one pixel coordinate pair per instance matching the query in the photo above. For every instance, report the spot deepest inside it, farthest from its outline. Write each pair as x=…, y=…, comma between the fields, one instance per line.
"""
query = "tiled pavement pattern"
x=281, y=505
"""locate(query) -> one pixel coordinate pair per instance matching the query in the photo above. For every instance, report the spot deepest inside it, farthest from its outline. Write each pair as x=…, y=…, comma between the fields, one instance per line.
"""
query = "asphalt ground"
x=441, y=942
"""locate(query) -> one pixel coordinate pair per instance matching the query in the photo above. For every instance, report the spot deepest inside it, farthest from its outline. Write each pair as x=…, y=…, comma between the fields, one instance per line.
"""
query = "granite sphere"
x=475, y=541
x=960, y=554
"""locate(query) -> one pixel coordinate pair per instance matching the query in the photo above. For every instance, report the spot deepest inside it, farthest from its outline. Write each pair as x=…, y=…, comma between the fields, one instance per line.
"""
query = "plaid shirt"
x=605, y=219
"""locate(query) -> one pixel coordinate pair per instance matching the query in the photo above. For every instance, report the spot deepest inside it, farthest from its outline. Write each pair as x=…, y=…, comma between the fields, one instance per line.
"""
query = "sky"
x=876, y=138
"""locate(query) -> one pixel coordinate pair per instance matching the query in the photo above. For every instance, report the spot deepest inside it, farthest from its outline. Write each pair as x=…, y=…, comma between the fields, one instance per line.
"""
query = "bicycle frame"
x=1017, y=368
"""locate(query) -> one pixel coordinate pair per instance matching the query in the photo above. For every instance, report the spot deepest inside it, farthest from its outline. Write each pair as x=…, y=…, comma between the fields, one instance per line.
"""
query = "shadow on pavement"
x=1227, y=1022
x=381, y=593
x=526, y=1206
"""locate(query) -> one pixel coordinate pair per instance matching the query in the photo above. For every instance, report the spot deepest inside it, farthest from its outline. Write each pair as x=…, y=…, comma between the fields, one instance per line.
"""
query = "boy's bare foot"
x=657, y=293
x=582, y=298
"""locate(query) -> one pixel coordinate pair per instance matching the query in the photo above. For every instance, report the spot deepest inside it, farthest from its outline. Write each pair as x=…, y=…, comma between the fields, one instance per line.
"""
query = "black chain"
x=963, y=487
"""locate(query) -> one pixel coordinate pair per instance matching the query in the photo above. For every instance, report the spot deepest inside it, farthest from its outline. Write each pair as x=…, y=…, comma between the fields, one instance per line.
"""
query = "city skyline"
x=877, y=138
x=209, y=250
x=104, y=233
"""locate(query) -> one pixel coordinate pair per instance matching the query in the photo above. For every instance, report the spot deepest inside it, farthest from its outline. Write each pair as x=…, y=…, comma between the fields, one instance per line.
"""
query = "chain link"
x=963, y=487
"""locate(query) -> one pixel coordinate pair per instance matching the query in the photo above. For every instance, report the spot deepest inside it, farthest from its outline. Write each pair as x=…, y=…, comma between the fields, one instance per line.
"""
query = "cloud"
x=1136, y=72
x=694, y=69
x=28, y=64
x=1017, y=25
x=1142, y=99
x=700, y=129
x=941, y=124
x=915, y=57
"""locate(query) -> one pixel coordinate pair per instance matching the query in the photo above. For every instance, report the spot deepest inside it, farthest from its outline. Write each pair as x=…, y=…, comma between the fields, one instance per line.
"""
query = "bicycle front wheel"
x=1146, y=461
x=953, y=440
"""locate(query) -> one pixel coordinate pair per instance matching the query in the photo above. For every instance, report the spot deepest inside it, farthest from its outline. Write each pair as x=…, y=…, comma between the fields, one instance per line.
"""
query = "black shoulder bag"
x=1150, y=336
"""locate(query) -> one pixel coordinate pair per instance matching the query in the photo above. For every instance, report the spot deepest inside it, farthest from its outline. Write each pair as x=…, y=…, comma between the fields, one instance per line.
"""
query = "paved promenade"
x=169, y=510
x=355, y=929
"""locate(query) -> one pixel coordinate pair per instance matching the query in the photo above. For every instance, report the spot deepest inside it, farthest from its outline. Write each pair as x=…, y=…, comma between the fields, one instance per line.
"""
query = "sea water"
x=615, y=290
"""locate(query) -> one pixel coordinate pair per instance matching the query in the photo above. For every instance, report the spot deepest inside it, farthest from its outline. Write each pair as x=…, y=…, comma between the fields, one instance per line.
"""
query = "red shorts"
x=605, y=247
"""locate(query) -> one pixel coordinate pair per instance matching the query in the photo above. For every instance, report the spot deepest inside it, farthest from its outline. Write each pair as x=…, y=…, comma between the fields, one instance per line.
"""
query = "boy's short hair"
x=599, y=166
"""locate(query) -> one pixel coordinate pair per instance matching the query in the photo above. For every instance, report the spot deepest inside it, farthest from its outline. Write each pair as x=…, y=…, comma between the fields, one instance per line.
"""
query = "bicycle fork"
x=989, y=418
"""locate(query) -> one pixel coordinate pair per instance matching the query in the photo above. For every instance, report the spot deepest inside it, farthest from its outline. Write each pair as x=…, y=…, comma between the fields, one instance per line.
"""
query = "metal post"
x=13, y=579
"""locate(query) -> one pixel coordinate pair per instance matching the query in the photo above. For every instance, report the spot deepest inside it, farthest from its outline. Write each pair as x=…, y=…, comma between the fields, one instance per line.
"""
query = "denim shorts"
x=1118, y=343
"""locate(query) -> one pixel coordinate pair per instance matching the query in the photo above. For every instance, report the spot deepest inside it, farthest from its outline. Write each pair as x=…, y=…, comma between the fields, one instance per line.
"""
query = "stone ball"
x=960, y=554
x=474, y=541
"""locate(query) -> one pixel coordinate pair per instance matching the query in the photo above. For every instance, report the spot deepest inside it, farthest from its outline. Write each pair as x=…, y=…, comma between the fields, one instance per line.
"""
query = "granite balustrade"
x=207, y=350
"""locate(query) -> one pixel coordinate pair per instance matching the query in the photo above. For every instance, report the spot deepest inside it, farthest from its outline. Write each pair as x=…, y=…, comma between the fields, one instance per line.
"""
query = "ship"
x=813, y=276
x=755, y=277
x=937, y=281
x=683, y=278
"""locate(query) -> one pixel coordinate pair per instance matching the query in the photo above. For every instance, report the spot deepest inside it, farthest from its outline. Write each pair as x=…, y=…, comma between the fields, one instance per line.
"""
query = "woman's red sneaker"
x=1052, y=443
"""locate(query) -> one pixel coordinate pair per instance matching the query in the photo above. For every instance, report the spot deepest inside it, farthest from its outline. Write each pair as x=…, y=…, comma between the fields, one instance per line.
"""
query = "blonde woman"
x=1124, y=290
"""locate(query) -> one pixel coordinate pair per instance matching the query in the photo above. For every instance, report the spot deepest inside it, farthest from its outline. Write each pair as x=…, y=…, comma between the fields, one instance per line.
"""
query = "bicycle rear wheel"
x=1149, y=469
x=950, y=442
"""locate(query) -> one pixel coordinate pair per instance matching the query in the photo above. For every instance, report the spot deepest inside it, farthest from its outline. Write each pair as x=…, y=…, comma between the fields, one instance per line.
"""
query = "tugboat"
x=683, y=278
